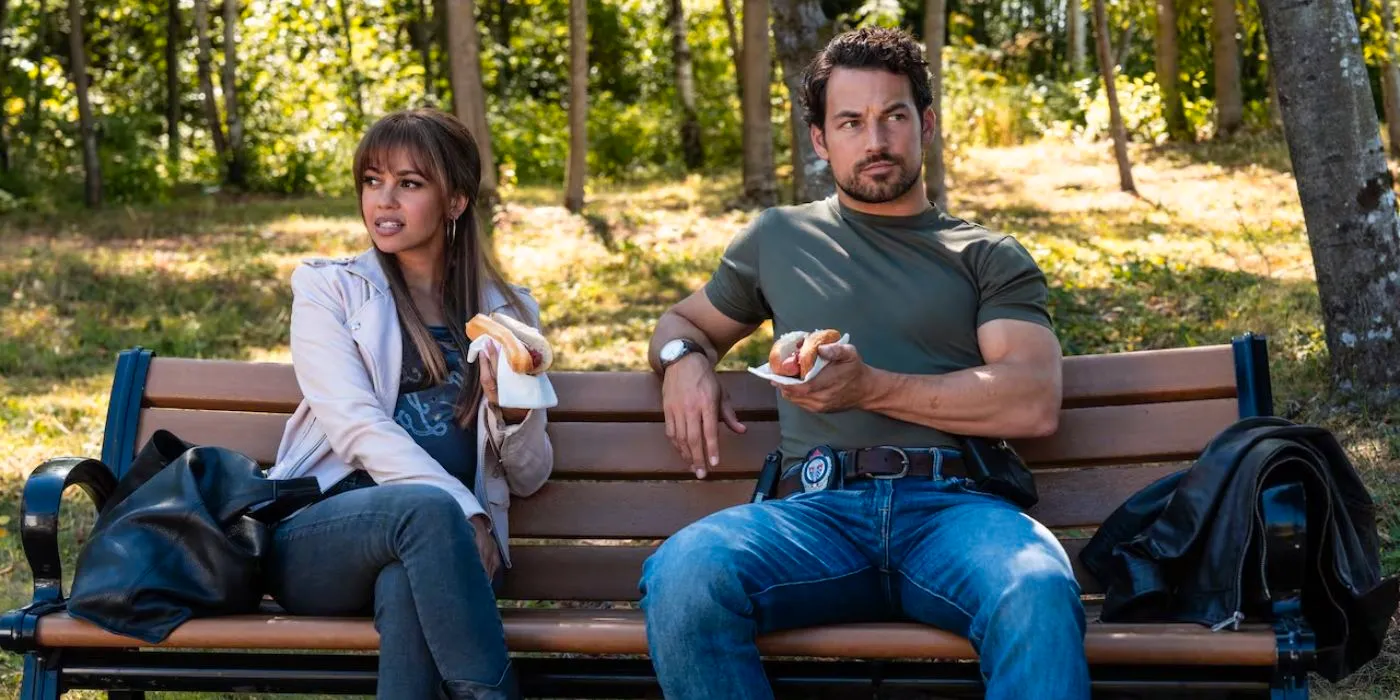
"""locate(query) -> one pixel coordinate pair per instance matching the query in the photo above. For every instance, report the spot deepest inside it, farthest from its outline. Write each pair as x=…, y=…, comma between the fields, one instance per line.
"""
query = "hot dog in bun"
x=794, y=353
x=525, y=349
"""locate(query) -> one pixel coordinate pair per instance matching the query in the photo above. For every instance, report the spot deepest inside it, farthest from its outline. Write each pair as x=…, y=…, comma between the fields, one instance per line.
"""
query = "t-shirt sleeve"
x=735, y=288
x=1012, y=286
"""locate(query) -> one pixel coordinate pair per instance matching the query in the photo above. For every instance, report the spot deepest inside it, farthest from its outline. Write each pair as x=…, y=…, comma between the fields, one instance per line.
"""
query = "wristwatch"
x=676, y=349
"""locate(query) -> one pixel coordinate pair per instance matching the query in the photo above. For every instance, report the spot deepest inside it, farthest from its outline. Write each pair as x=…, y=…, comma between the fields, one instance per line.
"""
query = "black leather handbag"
x=179, y=539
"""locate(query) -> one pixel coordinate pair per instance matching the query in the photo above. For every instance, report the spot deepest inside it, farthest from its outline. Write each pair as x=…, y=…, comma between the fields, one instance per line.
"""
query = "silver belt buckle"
x=903, y=457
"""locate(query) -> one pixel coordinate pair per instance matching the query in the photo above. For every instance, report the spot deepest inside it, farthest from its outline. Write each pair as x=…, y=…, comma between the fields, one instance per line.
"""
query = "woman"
x=405, y=437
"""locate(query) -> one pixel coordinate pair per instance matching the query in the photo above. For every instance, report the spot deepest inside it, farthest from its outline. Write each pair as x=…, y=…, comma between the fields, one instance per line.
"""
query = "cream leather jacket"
x=347, y=351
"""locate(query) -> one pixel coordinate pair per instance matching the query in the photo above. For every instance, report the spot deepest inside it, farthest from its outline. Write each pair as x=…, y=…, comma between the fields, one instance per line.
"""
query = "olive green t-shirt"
x=910, y=291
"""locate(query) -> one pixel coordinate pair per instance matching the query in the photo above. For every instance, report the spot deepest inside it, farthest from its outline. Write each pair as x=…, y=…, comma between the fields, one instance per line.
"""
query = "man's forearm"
x=1007, y=400
x=671, y=326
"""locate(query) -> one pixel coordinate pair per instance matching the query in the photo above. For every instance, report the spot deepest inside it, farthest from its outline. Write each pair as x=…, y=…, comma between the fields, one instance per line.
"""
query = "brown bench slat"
x=592, y=572
x=1131, y=434
x=623, y=632
x=254, y=434
x=226, y=385
x=1135, y=434
x=1149, y=376
x=647, y=509
x=221, y=385
x=1105, y=435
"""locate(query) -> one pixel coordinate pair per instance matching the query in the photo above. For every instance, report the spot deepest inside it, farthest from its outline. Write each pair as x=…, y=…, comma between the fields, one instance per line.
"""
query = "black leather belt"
x=883, y=463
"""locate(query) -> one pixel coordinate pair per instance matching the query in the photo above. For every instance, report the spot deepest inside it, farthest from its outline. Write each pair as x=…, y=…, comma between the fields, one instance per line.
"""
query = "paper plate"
x=763, y=370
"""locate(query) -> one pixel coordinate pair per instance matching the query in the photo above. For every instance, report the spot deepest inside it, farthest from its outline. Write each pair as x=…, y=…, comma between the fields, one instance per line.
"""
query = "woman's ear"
x=459, y=205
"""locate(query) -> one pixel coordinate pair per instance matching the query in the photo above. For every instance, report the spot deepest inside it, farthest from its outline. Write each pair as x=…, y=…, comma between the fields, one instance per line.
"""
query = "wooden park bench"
x=618, y=488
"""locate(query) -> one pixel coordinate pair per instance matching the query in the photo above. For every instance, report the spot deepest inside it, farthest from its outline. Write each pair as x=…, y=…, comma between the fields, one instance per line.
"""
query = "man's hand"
x=694, y=404
x=486, y=547
x=843, y=384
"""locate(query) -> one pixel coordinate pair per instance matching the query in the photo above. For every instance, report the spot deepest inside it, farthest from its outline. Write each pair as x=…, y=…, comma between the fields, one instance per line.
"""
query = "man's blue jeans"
x=934, y=551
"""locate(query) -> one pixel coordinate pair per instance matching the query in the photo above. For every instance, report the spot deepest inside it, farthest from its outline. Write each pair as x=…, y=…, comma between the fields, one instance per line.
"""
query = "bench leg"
x=1295, y=689
x=40, y=682
x=1285, y=511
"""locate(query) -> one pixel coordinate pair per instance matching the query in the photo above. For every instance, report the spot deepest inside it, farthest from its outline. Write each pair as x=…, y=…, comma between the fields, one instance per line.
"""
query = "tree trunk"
x=1229, y=96
x=1275, y=114
x=421, y=31
x=1125, y=44
x=172, y=88
x=935, y=177
x=760, y=182
x=1390, y=79
x=1330, y=124
x=578, y=105
x=4, y=91
x=1169, y=70
x=36, y=97
x=500, y=31
x=357, y=97
x=469, y=98
x=442, y=39
x=1074, y=21
x=92, y=168
x=736, y=51
x=1106, y=69
x=801, y=29
x=692, y=146
x=237, y=162
x=206, y=78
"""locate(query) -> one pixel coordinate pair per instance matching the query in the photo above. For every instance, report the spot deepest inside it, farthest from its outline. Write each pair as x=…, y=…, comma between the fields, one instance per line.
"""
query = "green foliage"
x=309, y=83
x=1139, y=104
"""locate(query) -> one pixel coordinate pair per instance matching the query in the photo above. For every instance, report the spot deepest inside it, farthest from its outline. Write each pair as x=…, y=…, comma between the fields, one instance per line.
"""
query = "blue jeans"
x=934, y=551
x=407, y=554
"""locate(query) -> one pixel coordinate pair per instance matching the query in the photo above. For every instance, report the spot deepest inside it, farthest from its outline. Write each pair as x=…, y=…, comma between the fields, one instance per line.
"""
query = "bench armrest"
x=43, y=496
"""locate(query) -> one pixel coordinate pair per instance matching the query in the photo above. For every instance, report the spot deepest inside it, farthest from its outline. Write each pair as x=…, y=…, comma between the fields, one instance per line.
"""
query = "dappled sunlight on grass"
x=1199, y=213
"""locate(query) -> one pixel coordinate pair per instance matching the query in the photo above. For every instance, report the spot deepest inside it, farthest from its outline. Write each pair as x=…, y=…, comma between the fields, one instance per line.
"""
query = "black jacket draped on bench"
x=1187, y=548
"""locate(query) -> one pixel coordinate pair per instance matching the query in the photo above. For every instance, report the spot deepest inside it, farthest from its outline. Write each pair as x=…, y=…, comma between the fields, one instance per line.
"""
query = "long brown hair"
x=444, y=150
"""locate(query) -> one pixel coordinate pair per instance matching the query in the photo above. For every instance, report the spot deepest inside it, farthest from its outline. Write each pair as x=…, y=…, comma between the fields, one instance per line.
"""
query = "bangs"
x=393, y=136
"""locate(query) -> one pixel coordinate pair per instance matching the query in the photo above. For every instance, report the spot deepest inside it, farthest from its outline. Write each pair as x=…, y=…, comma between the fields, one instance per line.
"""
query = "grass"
x=1213, y=247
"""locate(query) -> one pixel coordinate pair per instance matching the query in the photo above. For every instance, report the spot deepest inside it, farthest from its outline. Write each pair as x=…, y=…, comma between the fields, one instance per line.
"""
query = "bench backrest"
x=619, y=487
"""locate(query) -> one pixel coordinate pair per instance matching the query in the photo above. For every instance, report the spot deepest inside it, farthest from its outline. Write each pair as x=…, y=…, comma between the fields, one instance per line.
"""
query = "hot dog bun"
x=794, y=353
x=525, y=349
x=807, y=356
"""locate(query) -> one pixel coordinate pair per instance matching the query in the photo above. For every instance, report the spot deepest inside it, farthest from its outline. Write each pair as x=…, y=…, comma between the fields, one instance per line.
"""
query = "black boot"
x=509, y=689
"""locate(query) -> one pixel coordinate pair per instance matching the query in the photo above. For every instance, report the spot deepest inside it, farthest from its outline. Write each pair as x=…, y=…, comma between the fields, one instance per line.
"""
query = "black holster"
x=767, y=485
x=995, y=468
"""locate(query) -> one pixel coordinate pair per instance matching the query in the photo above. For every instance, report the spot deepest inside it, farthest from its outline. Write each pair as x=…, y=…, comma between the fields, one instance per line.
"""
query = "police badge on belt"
x=819, y=469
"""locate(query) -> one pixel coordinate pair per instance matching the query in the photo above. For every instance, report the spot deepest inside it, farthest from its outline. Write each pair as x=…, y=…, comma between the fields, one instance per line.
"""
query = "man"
x=949, y=336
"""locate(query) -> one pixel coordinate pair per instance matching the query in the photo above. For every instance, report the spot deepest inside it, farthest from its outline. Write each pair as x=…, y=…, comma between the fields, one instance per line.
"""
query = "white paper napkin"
x=763, y=370
x=515, y=390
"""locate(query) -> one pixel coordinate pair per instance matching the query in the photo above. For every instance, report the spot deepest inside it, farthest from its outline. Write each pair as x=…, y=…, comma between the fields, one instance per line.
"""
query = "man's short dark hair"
x=872, y=47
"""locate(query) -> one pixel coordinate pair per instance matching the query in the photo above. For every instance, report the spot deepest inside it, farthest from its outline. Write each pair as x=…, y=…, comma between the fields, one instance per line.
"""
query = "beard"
x=881, y=188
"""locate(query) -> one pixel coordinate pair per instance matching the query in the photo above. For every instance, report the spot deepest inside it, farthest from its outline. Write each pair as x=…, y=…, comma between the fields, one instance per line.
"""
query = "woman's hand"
x=486, y=547
x=488, y=386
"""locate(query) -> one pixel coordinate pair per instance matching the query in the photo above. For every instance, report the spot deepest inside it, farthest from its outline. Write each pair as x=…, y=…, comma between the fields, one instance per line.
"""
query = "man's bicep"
x=722, y=330
x=1012, y=340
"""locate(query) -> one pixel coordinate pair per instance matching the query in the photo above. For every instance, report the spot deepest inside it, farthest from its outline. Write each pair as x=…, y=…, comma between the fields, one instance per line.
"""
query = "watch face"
x=672, y=351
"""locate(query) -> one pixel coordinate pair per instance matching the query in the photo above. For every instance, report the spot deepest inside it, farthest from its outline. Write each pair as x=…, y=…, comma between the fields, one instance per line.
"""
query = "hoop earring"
x=451, y=231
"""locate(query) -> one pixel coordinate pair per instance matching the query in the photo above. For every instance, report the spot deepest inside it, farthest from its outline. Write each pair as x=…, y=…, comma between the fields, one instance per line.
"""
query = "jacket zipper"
x=1236, y=617
x=1232, y=622
x=1263, y=556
